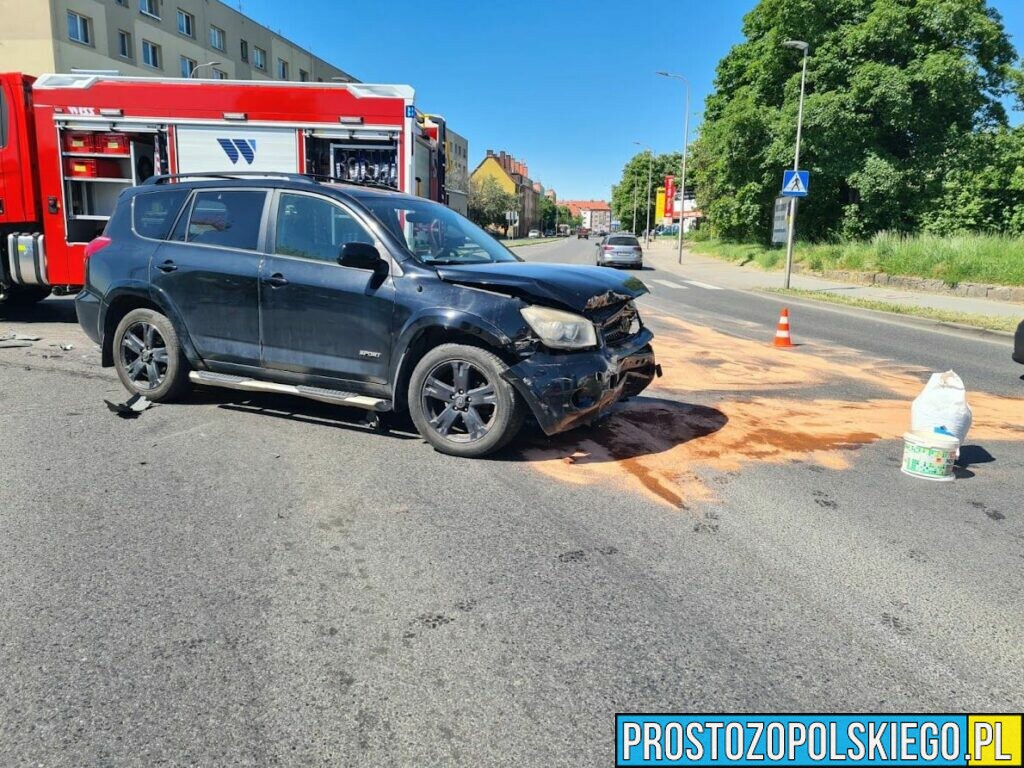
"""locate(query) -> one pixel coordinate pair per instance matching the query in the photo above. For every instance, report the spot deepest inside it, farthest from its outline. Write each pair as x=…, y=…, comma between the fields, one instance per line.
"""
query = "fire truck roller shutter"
x=213, y=149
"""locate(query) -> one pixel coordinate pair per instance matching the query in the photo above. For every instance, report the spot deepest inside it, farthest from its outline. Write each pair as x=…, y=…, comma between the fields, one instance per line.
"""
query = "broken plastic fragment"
x=131, y=408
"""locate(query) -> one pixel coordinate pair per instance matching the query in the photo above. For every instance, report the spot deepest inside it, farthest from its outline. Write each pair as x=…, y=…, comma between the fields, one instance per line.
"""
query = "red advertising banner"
x=670, y=196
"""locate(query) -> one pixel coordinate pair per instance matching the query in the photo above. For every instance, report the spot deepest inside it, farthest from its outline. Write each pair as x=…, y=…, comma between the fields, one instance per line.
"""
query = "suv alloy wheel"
x=148, y=357
x=460, y=403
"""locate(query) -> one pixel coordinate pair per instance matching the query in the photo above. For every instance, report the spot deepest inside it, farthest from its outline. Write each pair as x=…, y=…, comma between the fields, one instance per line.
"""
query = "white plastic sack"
x=942, y=405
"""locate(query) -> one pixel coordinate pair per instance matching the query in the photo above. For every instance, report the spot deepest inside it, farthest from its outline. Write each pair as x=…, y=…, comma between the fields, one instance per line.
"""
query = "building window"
x=187, y=66
x=282, y=69
x=219, y=74
x=259, y=58
x=79, y=28
x=245, y=50
x=186, y=24
x=122, y=3
x=218, y=40
x=124, y=44
x=151, y=54
x=303, y=76
x=150, y=8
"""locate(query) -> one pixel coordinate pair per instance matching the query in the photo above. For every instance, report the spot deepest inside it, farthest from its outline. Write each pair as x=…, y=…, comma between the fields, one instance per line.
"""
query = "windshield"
x=435, y=234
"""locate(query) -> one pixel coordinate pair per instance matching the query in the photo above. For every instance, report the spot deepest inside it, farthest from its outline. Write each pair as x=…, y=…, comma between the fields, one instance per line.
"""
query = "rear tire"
x=148, y=356
x=442, y=391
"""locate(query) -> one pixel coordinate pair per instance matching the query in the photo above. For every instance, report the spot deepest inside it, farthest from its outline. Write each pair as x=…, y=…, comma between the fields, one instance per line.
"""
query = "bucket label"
x=928, y=461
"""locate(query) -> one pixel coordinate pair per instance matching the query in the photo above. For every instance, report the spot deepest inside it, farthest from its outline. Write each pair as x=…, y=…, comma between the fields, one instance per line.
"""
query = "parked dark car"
x=360, y=297
x=1018, y=344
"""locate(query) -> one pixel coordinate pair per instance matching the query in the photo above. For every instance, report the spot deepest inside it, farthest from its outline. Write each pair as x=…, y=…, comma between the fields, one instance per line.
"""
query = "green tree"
x=984, y=188
x=488, y=203
x=896, y=92
x=633, y=188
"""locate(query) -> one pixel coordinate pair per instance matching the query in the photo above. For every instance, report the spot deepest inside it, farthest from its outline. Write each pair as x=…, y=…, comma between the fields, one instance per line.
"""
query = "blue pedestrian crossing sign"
x=795, y=183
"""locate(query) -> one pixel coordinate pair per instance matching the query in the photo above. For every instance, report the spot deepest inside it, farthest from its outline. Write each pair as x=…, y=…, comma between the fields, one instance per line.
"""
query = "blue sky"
x=566, y=85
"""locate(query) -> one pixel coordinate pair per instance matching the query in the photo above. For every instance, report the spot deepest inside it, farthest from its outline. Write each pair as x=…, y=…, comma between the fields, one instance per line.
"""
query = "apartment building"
x=513, y=176
x=457, y=171
x=595, y=214
x=154, y=38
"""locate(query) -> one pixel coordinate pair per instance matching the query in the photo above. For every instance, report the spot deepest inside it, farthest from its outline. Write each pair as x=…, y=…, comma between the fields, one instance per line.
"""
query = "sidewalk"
x=662, y=254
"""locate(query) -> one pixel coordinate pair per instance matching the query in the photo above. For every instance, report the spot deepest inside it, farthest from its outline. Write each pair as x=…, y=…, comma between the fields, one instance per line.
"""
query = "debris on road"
x=942, y=407
x=710, y=415
x=929, y=455
x=12, y=336
x=131, y=408
x=14, y=340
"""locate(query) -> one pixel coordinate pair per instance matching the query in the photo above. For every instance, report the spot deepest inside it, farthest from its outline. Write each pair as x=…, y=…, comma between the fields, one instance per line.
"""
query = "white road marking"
x=703, y=285
x=669, y=284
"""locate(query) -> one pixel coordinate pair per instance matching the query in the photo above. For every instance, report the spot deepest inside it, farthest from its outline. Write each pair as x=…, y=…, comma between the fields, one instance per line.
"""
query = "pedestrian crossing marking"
x=706, y=286
x=669, y=284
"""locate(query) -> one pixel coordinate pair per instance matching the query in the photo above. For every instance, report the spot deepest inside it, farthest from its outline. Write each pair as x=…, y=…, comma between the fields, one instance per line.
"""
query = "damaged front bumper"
x=566, y=390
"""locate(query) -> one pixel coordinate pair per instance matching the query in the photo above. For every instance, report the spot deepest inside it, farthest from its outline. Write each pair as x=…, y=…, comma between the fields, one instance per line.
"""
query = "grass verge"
x=988, y=322
x=995, y=259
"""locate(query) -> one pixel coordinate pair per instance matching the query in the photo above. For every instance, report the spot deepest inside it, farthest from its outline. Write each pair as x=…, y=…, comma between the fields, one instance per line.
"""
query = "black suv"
x=356, y=296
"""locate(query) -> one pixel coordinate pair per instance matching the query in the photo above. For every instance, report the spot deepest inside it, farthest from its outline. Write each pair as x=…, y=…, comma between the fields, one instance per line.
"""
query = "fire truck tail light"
x=235, y=116
x=96, y=245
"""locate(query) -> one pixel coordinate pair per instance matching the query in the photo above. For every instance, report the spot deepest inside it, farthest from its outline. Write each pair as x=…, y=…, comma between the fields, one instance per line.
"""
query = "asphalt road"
x=238, y=580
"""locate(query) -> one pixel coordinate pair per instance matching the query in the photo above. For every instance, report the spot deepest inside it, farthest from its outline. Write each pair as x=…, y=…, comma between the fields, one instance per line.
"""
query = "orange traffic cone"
x=782, y=338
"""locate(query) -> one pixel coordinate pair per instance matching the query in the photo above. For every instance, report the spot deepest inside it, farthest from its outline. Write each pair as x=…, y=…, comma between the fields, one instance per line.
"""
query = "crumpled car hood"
x=578, y=288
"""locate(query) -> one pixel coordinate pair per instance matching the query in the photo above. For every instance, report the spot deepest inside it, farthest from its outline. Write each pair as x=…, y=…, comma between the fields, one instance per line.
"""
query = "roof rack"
x=306, y=178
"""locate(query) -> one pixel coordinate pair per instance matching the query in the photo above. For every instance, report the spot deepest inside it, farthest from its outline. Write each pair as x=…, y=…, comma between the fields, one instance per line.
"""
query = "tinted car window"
x=227, y=219
x=315, y=228
x=623, y=241
x=153, y=213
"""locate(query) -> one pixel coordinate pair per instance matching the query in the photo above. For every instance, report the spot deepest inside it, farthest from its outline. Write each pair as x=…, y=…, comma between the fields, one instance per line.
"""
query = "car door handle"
x=276, y=280
x=167, y=266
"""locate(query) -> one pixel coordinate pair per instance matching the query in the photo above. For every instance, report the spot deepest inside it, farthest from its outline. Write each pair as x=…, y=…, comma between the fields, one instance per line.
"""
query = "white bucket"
x=929, y=455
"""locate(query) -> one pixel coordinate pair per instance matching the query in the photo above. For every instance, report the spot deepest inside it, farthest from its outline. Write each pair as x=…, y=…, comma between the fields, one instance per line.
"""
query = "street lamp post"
x=200, y=66
x=633, y=221
x=686, y=143
x=650, y=168
x=799, y=45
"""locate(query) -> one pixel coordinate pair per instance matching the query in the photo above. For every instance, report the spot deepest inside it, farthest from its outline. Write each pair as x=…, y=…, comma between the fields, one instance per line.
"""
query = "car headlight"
x=560, y=330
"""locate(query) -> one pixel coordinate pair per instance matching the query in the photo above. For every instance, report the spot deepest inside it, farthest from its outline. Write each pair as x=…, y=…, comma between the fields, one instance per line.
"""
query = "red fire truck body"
x=69, y=144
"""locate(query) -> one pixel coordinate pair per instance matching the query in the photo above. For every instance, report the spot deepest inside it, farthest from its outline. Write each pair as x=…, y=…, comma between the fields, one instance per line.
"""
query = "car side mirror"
x=362, y=256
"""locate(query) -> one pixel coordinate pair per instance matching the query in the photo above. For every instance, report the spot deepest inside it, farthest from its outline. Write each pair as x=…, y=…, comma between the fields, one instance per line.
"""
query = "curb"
x=921, y=322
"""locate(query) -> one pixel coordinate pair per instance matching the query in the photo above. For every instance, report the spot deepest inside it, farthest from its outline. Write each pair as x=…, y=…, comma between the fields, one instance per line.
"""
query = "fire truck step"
x=333, y=396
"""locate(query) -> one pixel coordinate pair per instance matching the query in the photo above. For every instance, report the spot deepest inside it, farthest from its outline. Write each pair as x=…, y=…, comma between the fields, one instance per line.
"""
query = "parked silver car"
x=620, y=251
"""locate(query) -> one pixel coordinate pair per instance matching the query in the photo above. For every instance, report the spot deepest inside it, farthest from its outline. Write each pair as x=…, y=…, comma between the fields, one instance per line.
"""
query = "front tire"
x=460, y=403
x=148, y=357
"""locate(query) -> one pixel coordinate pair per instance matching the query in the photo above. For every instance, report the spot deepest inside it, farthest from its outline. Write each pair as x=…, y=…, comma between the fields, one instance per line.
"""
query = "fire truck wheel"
x=148, y=357
x=20, y=296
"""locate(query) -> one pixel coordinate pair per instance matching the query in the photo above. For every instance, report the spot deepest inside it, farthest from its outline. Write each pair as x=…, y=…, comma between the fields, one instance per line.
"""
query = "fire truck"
x=70, y=143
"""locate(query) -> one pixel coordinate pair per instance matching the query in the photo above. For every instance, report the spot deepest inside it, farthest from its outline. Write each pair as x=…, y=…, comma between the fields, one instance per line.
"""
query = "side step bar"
x=332, y=396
